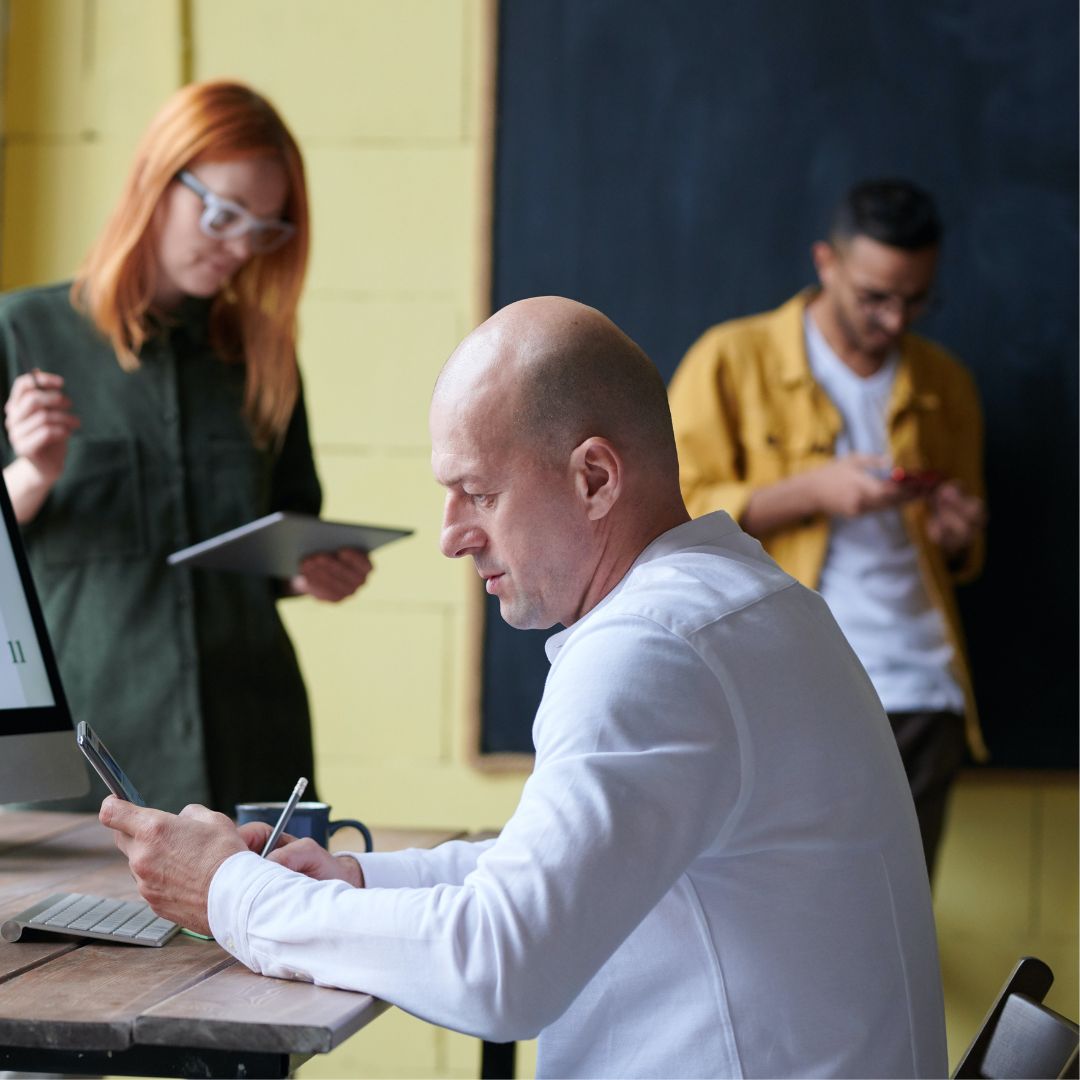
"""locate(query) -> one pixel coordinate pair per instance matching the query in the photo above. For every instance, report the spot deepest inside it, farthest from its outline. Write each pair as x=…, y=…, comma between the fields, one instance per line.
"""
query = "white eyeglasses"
x=226, y=220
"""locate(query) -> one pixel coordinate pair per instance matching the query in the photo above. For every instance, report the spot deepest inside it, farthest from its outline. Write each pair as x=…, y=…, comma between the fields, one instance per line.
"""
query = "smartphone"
x=922, y=480
x=97, y=753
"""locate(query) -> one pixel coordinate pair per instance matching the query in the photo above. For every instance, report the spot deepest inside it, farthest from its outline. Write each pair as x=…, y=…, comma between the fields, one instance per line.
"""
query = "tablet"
x=275, y=545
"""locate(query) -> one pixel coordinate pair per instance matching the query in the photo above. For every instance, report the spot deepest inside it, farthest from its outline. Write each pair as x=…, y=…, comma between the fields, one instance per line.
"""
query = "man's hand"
x=304, y=856
x=954, y=519
x=846, y=487
x=851, y=486
x=332, y=575
x=173, y=858
x=308, y=858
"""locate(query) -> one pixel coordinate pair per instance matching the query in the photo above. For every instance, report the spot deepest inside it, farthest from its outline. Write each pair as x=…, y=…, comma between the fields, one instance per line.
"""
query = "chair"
x=1020, y=1036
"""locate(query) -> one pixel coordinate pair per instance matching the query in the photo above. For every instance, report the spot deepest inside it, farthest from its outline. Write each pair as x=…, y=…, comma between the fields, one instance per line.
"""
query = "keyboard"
x=130, y=922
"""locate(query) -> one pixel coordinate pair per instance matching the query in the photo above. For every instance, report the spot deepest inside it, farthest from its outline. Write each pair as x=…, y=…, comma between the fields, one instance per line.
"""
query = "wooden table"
x=186, y=1009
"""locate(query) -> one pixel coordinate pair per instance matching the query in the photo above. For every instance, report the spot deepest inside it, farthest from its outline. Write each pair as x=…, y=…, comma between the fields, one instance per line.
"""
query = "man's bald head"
x=565, y=372
x=551, y=436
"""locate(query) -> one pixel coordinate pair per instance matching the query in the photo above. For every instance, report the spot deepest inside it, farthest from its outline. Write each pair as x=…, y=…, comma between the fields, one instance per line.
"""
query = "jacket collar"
x=791, y=339
x=795, y=364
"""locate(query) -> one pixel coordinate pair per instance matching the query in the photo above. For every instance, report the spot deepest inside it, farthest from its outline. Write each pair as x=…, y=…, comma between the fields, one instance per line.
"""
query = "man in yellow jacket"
x=853, y=450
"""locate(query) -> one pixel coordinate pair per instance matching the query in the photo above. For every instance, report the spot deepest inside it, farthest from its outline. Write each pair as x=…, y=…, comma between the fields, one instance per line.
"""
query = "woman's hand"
x=39, y=422
x=332, y=575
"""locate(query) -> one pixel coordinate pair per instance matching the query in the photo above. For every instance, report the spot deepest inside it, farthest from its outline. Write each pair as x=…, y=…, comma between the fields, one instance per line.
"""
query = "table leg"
x=497, y=1061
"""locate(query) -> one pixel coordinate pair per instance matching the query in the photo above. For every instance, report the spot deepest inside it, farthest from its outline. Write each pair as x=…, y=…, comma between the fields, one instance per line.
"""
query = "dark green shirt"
x=187, y=675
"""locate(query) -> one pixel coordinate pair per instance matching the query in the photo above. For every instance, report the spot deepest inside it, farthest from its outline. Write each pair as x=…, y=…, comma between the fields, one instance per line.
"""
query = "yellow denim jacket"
x=747, y=412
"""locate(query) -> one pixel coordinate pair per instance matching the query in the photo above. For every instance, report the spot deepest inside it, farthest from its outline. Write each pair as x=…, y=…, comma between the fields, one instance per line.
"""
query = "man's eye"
x=485, y=502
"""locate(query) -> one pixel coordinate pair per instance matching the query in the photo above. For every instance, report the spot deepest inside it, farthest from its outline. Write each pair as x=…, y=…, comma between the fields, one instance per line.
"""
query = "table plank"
x=42, y=853
x=79, y=859
x=97, y=997
x=236, y=1009
x=18, y=827
x=20, y=956
x=390, y=838
x=88, y=999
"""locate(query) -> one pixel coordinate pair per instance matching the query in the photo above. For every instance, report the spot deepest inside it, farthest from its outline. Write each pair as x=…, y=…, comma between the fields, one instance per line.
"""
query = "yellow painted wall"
x=1006, y=888
x=388, y=99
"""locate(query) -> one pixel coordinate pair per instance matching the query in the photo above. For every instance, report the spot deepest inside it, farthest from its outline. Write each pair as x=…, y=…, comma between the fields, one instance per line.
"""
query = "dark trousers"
x=933, y=748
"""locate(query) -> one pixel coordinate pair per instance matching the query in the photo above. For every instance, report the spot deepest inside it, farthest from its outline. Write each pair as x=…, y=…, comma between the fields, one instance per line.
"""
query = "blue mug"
x=310, y=819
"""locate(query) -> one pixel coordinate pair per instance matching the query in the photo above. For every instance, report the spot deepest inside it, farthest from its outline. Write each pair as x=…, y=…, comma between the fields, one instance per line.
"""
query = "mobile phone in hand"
x=105, y=765
x=920, y=480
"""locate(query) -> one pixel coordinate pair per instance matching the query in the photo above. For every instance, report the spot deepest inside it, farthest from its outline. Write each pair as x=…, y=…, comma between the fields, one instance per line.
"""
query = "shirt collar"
x=690, y=534
x=191, y=317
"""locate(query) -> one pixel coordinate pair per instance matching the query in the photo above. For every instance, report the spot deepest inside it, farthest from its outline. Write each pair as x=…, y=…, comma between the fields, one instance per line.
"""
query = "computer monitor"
x=38, y=756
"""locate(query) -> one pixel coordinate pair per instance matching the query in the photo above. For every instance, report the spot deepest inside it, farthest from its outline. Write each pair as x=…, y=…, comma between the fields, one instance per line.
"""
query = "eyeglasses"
x=882, y=303
x=226, y=220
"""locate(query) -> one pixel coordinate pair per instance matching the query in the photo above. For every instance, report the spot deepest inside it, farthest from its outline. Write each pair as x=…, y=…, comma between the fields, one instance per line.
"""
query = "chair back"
x=1021, y=1038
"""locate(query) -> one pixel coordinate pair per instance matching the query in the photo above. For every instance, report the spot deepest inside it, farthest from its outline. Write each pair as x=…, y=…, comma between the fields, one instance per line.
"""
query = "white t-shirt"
x=714, y=870
x=870, y=578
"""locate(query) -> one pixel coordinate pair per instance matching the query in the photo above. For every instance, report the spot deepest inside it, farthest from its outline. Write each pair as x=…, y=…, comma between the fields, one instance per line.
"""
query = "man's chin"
x=879, y=346
x=521, y=618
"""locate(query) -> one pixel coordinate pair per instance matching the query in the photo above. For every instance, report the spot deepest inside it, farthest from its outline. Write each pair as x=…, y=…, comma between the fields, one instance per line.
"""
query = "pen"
x=16, y=349
x=286, y=813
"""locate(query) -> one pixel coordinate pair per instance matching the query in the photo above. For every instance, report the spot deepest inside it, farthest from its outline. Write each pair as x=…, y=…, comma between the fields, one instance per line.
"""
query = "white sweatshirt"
x=714, y=869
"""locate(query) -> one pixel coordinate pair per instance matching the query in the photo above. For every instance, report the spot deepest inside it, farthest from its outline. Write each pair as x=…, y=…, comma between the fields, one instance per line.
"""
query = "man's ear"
x=824, y=256
x=598, y=474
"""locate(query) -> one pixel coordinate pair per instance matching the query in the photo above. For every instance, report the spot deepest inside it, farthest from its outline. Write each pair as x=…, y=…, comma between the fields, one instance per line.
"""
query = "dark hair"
x=892, y=212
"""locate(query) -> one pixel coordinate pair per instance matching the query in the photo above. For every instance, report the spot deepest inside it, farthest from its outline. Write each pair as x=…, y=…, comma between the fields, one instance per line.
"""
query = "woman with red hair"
x=155, y=402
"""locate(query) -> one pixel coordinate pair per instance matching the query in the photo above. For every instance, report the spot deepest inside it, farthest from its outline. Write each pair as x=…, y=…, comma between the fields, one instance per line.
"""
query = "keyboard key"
x=155, y=931
x=56, y=907
x=98, y=912
x=135, y=924
x=67, y=915
x=119, y=916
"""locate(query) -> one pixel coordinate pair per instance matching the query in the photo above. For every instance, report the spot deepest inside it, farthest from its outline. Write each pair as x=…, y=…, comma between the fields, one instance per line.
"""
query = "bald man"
x=715, y=867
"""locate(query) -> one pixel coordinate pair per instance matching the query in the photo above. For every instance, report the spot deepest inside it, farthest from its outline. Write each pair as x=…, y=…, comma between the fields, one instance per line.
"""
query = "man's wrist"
x=354, y=872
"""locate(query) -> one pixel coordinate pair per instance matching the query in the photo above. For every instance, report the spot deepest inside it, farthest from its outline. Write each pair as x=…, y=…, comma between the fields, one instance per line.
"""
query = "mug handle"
x=333, y=826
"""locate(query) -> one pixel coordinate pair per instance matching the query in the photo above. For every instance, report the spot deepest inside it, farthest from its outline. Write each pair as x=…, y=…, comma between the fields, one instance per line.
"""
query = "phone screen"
x=922, y=480
x=105, y=765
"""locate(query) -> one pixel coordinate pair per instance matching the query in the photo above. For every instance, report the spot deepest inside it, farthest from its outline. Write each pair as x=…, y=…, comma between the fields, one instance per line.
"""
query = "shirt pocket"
x=97, y=510
x=239, y=483
x=776, y=448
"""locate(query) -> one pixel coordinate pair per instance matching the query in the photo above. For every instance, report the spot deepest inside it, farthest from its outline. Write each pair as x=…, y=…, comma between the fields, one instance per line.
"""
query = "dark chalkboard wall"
x=671, y=162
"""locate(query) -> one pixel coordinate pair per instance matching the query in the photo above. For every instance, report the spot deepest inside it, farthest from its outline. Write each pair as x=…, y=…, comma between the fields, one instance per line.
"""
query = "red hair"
x=253, y=319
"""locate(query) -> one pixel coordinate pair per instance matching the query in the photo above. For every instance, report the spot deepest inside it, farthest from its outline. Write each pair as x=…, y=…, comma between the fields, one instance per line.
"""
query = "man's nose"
x=894, y=316
x=458, y=537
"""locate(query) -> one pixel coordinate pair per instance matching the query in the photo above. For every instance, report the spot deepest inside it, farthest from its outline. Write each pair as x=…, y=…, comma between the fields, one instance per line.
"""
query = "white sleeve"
x=449, y=863
x=637, y=771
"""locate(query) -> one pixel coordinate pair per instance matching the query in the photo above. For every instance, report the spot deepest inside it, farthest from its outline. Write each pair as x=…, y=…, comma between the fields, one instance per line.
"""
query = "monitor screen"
x=38, y=756
x=24, y=682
